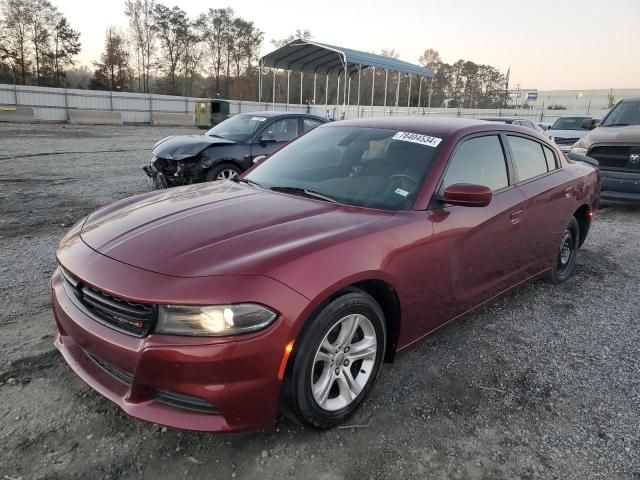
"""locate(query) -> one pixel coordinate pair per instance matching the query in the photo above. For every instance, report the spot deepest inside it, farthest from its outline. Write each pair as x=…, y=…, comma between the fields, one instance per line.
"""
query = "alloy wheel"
x=566, y=250
x=227, y=174
x=344, y=362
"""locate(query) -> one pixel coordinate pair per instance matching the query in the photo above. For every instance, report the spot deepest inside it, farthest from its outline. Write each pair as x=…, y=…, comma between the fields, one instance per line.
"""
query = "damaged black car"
x=225, y=151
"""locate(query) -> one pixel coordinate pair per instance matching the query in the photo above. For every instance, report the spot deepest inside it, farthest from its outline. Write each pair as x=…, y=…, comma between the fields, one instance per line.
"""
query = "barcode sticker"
x=418, y=138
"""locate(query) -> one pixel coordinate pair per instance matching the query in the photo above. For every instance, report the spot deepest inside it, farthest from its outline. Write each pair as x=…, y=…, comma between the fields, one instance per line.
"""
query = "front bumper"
x=200, y=383
x=620, y=186
x=159, y=179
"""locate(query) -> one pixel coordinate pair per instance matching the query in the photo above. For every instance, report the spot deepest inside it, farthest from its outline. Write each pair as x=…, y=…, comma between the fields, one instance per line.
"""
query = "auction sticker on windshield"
x=258, y=119
x=418, y=138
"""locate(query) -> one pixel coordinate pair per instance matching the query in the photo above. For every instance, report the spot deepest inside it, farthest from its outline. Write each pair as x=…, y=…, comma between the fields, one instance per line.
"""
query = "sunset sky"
x=549, y=44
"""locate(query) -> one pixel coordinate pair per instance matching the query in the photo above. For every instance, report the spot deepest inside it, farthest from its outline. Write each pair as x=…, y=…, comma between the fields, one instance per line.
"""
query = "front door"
x=274, y=135
x=480, y=255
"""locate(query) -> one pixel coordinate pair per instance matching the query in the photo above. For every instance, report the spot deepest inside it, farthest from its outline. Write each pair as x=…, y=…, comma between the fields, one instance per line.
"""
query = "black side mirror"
x=267, y=138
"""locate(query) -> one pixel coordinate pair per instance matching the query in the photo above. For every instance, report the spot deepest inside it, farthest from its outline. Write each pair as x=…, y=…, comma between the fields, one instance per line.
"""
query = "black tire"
x=564, y=265
x=215, y=172
x=299, y=403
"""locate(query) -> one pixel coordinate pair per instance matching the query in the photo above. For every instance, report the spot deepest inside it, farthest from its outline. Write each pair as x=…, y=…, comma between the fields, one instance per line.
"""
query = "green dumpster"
x=211, y=112
x=203, y=114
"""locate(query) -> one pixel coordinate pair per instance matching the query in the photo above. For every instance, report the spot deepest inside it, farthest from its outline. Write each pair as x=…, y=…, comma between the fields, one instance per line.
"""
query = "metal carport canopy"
x=314, y=57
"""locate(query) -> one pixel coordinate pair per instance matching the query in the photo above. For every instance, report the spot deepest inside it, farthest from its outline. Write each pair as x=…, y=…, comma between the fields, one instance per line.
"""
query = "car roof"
x=502, y=119
x=631, y=99
x=276, y=113
x=439, y=126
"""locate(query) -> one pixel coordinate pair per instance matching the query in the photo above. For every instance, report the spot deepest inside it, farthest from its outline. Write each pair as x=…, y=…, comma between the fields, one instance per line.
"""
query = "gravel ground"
x=543, y=384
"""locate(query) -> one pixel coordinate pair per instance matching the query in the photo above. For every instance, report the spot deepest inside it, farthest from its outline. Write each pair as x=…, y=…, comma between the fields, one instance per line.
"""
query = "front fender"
x=236, y=155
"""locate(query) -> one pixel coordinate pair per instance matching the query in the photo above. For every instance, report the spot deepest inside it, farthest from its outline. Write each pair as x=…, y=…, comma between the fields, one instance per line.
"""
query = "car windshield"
x=625, y=113
x=367, y=167
x=238, y=128
x=568, y=123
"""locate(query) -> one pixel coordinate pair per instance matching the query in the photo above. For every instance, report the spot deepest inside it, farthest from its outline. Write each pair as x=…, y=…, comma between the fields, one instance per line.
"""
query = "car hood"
x=219, y=228
x=567, y=133
x=185, y=146
x=624, y=135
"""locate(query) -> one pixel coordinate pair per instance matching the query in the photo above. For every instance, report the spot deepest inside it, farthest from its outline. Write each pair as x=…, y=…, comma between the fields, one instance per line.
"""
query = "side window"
x=528, y=157
x=517, y=122
x=552, y=163
x=283, y=130
x=480, y=161
x=309, y=124
x=528, y=124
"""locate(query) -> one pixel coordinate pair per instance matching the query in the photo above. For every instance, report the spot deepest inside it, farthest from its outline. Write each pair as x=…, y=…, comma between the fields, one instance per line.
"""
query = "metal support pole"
x=359, y=72
x=273, y=100
x=344, y=94
x=386, y=81
x=315, y=77
x=349, y=93
x=398, y=92
x=301, y=78
x=409, y=96
x=338, y=91
x=373, y=87
x=288, y=83
x=419, y=91
x=326, y=92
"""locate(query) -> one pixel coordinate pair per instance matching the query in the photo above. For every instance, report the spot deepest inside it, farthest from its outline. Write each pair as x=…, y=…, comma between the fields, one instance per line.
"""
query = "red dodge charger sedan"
x=215, y=306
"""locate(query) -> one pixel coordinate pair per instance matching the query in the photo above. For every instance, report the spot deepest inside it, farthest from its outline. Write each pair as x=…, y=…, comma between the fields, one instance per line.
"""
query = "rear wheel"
x=336, y=361
x=565, y=264
x=223, y=171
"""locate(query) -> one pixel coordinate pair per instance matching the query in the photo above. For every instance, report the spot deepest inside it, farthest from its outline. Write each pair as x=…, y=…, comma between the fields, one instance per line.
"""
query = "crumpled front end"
x=167, y=173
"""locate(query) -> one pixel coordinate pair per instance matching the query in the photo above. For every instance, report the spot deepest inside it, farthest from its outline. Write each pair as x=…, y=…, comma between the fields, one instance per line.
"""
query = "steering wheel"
x=405, y=181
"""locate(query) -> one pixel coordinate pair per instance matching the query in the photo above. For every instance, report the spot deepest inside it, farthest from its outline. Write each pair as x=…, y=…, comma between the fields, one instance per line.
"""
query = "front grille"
x=186, y=402
x=615, y=157
x=564, y=141
x=167, y=167
x=128, y=317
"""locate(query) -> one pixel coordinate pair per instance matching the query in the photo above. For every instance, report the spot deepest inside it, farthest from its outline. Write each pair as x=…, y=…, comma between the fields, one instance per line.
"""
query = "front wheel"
x=223, y=171
x=564, y=265
x=336, y=361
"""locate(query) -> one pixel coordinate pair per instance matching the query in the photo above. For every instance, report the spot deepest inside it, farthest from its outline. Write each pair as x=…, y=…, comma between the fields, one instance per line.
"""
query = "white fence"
x=53, y=104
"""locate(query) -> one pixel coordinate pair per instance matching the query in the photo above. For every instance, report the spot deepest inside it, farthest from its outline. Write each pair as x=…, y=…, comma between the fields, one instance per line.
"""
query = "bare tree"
x=112, y=71
x=300, y=34
x=217, y=22
x=141, y=22
x=172, y=28
x=66, y=46
x=15, y=42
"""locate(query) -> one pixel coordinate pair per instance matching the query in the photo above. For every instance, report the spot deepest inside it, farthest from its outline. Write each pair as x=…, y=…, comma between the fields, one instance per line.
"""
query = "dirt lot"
x=544, y=384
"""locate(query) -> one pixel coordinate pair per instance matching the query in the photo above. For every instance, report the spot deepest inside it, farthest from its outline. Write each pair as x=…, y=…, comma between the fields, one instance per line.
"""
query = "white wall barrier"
x=45, y=104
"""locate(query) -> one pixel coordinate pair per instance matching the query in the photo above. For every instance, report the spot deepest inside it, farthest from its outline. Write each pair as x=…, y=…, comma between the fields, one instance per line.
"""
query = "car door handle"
x=516, y=217
x=568, y=192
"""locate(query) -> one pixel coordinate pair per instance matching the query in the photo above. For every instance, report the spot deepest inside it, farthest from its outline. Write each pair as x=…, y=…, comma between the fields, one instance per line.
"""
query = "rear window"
x=528, y=157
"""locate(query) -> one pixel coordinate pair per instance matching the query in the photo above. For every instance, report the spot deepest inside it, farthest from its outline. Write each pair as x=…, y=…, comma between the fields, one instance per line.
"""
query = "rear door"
x=480, y=251
x=548, y=199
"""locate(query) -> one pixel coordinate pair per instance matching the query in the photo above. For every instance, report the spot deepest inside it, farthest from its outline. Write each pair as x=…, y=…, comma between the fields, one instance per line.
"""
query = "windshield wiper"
x=304, y=191
x=245, y=180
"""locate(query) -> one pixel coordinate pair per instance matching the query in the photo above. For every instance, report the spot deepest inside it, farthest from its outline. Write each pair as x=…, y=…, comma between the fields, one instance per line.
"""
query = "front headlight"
x=579, y=150
x=213, y=321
